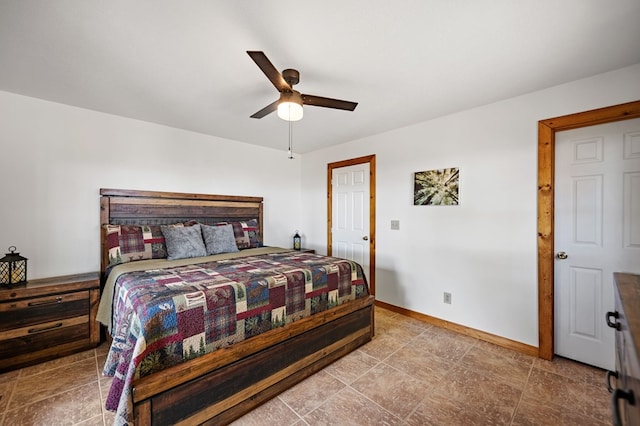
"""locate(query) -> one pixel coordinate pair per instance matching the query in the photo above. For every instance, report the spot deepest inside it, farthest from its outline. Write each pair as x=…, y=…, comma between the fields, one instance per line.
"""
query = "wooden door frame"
x=546, y=167
x=371, y=159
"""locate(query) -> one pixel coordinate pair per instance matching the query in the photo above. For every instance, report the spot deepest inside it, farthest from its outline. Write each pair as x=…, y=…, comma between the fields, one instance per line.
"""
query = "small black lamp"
x=297, y=241
x=13, y=269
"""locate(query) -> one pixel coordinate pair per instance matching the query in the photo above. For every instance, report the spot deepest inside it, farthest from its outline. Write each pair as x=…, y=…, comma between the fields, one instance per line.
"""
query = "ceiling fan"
x=289, y=105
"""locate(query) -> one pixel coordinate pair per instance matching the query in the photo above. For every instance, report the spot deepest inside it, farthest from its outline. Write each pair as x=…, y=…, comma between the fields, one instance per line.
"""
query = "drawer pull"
x=615, y=407
x=41, y=329
x=613, y=324
x=46, y=302
x=611, y=374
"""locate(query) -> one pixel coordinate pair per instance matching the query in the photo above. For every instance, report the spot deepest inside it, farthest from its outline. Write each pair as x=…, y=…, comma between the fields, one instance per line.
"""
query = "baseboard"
x=487, y=337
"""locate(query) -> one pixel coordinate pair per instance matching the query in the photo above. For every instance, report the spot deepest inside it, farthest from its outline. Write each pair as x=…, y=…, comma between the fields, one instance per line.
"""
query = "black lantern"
x=297, y=241
x=13, y=269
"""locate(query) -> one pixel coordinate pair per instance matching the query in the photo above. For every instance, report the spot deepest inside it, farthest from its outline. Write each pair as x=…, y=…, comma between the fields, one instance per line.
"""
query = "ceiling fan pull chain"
x=290, y=140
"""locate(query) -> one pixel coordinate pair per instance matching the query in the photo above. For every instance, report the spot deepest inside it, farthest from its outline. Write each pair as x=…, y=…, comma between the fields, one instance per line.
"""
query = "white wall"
x=483, y=251
x=54, y=158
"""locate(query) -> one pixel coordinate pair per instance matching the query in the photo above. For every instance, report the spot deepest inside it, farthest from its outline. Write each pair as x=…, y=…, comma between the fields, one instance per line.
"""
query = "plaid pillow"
x=247, y=233
x=128, y=243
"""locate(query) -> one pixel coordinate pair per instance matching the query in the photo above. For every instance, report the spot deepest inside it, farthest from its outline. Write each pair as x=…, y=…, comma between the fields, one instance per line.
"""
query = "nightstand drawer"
x=42, y=336
x=21, y=313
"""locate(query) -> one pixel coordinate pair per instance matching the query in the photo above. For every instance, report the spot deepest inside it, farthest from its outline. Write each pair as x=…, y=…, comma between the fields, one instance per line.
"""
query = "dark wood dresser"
x=625, y=398
x=48, y=318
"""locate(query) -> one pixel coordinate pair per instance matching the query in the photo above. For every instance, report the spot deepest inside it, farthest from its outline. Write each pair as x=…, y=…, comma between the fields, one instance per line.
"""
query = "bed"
x=316, y=310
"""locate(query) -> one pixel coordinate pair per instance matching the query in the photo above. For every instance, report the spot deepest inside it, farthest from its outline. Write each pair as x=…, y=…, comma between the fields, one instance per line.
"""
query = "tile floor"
x=410, y=374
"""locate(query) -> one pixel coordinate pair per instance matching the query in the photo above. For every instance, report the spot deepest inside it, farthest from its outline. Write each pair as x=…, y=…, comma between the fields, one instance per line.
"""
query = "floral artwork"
x=436, y=187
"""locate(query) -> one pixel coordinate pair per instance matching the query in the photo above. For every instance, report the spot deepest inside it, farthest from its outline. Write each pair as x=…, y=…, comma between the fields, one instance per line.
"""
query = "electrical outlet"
x=447, y=298
x=395, y=225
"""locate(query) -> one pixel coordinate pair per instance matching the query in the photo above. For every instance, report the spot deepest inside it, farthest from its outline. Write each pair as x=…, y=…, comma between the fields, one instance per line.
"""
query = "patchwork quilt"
x=162, y=317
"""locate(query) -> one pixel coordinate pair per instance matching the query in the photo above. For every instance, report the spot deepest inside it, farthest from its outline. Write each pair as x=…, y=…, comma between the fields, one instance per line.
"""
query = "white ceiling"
x=184, y=63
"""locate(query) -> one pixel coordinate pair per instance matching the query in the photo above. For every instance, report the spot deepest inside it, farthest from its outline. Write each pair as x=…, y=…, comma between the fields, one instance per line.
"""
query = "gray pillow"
x=219, y=239
x=183, y=242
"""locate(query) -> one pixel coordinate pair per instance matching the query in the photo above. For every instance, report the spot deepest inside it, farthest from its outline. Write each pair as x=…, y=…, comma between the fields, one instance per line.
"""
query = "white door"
x=597, y=233
x=350, y=214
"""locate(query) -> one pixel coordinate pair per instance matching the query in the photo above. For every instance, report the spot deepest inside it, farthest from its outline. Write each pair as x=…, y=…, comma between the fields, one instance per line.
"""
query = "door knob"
x=365, y=238
x=561, y=255
x=613, y=323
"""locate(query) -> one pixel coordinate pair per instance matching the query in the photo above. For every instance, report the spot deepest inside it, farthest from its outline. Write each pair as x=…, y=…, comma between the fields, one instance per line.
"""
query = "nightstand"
x=48, y=318
x=306, y=250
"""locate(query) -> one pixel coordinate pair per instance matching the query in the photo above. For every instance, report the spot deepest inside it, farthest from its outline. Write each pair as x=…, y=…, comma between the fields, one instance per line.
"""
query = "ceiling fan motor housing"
x=291, y=76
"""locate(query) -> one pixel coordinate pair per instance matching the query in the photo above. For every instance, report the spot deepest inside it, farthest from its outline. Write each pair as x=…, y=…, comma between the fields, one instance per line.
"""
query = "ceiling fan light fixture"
x=290, y=106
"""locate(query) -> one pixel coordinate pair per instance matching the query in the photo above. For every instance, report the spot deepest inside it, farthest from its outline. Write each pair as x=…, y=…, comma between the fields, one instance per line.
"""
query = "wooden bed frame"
x=222, y=386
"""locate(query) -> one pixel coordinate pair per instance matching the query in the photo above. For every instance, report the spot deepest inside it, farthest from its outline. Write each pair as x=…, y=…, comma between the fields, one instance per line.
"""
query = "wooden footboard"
x=222, y=386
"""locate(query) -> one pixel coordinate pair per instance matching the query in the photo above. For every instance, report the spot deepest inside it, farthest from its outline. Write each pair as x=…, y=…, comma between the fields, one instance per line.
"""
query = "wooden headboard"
x=133, y=207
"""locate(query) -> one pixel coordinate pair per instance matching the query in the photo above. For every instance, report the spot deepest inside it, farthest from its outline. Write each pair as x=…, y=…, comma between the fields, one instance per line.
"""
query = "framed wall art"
x=436, y=187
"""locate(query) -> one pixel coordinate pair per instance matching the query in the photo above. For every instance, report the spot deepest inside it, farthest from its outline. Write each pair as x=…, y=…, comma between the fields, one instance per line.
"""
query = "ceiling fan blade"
x=328, y=102
x=269, y=70
x=266, y=110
